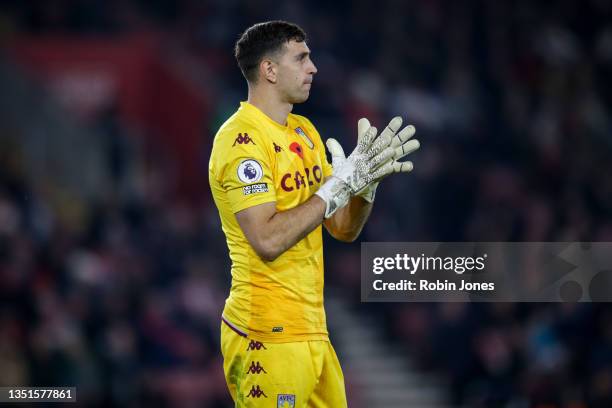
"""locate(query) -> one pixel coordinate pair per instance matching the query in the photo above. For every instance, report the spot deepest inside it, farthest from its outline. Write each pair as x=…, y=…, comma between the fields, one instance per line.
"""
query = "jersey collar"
x=255, y=111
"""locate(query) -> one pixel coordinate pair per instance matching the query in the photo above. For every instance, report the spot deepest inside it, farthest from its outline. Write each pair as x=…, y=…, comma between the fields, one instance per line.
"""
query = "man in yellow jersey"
x=274, y=189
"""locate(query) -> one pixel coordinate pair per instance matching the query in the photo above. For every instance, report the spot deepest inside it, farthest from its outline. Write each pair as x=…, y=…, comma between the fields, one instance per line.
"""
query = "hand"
x=389, y=140
x=349, y=175
x=399, y=144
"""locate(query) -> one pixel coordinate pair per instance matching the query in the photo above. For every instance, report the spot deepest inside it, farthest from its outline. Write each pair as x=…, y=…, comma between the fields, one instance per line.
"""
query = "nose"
x=312, y=69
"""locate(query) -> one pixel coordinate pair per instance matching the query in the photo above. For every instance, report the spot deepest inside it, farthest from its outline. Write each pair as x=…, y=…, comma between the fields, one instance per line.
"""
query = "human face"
x=295, y=72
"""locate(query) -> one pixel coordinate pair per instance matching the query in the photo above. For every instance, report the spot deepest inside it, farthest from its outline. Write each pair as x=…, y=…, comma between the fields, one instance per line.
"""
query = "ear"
x=267, y=69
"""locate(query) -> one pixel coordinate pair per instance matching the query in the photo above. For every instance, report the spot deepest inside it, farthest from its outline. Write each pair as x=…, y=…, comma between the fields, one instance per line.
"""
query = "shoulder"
x=238, y=129
x=240, y=138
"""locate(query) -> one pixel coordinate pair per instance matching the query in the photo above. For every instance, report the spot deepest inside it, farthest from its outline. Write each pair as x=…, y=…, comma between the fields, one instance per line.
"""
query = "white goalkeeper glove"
x=349, y=176
x=372, y=159
x=389, y=140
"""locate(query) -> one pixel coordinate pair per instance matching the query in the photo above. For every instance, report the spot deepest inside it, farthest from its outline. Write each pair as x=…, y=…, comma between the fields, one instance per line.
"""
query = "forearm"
x=346, y=223
x=286, y=228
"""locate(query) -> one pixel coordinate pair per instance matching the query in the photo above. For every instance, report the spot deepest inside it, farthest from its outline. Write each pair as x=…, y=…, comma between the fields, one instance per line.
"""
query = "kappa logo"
x=277, y=148
x=243, y=139
x=285, y=401
x=256, y=392
x=256, y=368
x=256, y=345
x=305, y=137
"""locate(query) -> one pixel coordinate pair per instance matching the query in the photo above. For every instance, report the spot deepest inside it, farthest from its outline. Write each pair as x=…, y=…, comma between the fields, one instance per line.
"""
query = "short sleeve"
x=247, y=176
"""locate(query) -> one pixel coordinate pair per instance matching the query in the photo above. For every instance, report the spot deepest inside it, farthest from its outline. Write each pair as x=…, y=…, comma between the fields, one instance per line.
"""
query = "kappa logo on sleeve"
x=243, y=139
x=250, y=171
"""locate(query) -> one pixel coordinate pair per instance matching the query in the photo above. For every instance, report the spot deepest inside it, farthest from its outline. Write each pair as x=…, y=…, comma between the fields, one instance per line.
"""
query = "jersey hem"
x=288, y=339
x=258, y=336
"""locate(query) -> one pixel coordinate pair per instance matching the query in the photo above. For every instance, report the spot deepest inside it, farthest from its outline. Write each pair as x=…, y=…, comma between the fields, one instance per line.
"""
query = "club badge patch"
x=250, y=171
x=305, y=137
x=285, y=401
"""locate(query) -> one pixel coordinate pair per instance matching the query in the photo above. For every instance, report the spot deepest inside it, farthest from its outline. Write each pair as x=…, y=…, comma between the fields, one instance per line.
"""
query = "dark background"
x=113, y=266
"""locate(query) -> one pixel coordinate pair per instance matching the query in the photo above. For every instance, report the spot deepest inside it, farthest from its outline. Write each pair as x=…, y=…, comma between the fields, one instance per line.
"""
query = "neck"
x=270, y=104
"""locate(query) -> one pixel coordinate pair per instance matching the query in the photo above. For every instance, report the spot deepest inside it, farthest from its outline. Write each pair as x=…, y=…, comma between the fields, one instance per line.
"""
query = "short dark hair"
x=263, y=39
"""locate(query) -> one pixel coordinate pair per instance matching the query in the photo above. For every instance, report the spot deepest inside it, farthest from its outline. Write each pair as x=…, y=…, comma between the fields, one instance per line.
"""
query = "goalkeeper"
x=274, y=188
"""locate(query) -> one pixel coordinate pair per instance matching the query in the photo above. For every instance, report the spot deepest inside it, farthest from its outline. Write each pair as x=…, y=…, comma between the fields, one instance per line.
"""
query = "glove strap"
x=336, y=194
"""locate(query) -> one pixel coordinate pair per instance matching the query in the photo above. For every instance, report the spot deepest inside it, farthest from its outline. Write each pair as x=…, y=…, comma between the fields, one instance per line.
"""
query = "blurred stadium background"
x=113, y=267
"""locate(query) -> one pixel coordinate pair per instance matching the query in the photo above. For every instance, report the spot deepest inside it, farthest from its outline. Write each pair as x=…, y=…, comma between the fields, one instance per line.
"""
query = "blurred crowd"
x=511, y=101
x=120, y=299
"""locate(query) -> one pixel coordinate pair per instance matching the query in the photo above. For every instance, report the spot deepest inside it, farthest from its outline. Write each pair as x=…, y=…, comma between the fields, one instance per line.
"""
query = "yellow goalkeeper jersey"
x=256, y=160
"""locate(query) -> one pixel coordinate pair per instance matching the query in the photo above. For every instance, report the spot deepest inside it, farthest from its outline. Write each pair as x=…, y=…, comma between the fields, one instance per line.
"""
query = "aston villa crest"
x=285, y=401
x=304, y=136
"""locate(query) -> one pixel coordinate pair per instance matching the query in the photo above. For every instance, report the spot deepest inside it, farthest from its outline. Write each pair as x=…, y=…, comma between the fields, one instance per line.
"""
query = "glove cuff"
x=336, y=194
